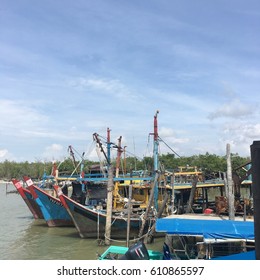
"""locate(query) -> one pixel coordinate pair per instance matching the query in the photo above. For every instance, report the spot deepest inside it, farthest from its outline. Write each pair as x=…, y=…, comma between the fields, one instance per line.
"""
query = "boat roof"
x=209, y=227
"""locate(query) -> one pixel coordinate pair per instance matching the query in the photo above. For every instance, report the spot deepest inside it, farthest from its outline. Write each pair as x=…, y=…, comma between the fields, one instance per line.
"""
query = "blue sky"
x=72, y=68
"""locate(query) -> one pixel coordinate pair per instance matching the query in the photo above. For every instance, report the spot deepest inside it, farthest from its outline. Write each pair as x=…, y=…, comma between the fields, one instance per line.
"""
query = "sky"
x=69, y=69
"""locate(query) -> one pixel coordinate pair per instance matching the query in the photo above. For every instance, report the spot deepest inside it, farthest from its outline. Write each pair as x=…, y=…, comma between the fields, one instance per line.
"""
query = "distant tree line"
x=207, y=163
x=36, y=170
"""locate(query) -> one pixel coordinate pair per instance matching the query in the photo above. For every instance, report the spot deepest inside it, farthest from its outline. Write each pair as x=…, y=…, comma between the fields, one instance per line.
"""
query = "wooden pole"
x=110, y=187
x=124, y=160
x=173, y=194
x=119, y=151
x=255, y=159
x=192, y=194
x=207, y=197
x=159, y=215
x=231, y=205
x=129, y=210
x=225, y=183
x=148, y=207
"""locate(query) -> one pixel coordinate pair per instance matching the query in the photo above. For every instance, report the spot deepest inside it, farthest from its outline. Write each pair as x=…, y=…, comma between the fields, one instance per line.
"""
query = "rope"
x=98, y=226
x=123, y=241
x=100, y=161
x=169, y=147
x=131, y=240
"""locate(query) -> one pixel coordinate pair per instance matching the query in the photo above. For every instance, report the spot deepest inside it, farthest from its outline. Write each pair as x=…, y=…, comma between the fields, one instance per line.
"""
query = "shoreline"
x=5, y=182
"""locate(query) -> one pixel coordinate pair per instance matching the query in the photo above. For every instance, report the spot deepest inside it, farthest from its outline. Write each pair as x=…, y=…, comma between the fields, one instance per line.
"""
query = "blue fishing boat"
x=28, y=199
x=205, y=236
x=52, y=209
x=198, y=237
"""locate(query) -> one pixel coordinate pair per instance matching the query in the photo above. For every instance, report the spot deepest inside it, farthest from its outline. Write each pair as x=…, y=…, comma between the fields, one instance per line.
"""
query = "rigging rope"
x=169, y=147
x=100, y=160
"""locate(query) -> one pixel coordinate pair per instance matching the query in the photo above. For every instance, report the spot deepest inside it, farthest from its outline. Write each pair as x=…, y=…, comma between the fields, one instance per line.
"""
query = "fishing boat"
x=133, y=253
x=137, y=251
x=90, y=220
x=131, y=208
x=45, y=199
x=89, y=213
x=28, y=199
x=52, y=209
x=200, y=237
x=205, y=236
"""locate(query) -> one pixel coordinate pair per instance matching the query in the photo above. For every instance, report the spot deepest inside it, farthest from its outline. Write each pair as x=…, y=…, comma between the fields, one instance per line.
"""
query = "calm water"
x=23, y=238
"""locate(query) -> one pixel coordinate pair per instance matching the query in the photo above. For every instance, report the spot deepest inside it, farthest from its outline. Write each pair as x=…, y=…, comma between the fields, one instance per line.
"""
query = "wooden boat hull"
x=52, y=209
x=29, y=200
x=91, y=222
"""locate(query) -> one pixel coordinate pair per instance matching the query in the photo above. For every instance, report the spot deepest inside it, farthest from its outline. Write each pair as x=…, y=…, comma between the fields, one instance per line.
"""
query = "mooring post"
x=173, y=194
x=225, y=183
x=110, y=187
x=231, y=201
x=129, y=210
x=255, y=159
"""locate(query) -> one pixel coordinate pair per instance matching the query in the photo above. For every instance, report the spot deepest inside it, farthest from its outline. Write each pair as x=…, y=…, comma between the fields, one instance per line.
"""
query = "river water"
x=24, y=238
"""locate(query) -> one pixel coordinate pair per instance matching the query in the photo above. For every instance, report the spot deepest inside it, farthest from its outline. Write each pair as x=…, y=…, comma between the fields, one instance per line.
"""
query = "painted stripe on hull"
x=33, y=205
x=53, y=211
x=28, y=199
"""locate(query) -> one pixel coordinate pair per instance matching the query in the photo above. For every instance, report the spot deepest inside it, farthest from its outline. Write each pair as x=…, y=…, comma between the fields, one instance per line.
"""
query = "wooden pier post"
x=110, y=187
x=255, y=159
x=231, y=202
x=225, y=183
x=129, y=210
x=173, y=194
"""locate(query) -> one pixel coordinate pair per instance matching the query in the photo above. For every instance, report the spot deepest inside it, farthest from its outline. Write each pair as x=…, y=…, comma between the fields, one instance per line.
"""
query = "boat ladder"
x=182, y=249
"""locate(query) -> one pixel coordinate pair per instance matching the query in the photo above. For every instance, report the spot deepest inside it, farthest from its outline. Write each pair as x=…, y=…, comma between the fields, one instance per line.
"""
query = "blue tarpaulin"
x=240, y=256
x=209, y=229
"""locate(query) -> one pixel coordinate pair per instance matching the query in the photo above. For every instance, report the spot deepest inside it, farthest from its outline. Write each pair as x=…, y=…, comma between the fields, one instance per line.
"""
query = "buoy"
x=208, y=211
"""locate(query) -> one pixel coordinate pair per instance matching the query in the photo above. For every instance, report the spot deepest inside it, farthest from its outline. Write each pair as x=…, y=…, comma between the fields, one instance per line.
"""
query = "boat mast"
x=96, y=137
x=155, y=158
x=70, y=149
x=82, y=175
x=119, y=152
x=108, y=147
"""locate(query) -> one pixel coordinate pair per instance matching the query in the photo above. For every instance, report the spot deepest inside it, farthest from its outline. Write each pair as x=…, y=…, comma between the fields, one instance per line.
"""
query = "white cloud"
x=105, y=86
x=233, y=109
x=170, y=142
x=240, y=135
x=3, y=154
x=242, y=131
x=18, y=115
x=6, y=155
x=54, y=152
x=168, y=135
